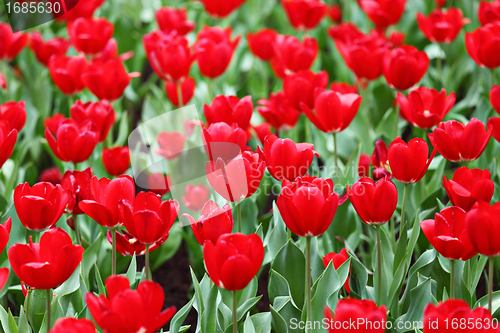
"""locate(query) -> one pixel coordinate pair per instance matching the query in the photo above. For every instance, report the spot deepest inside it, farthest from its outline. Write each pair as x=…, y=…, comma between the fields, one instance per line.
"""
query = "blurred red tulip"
x=383, y=13
x=278, y=112
x=127, y=245
x=482, y=45
x=4, y=276
x=100, y=113
x=4, y=238
x=51, y=175
x=195, y=197
x=469, y=186
x=224, y=141
x=187, y=91
x=8, y=139
x=214, y=222
x=335, y=13
x=53, y=123
x=344, y=88
x=77, y=184
x=106, y=194
x=447, y=234
x=291, y=55
x=425, y=107
x=304, y=14
x=262, y=130
x=286, y=159
x=338, y=259
x=495, y=97
x=442, y=26
x=171, y=144
x=483, y=227
x=260, y=42
x=299, y=87
x=158, y=183
x=404, y=67
x=364, y=165
x=409, y=162
x=14, y=113
x=494, y=127
x=84, y=9
x=125, y=310
x=458, y=142
x=170, y=19
x=221, y=8
x=11, y=43
x=73, y=325
x=362, y=311
x=397, y=38
x=488, y=12
x=308, y=205
x=110, y=52
x=66, y=72
x=233, y=253
x=44, y=50
x=441, y=3
x=116, y=160
x=229, y=109
x=48, y=264
x=90, y=35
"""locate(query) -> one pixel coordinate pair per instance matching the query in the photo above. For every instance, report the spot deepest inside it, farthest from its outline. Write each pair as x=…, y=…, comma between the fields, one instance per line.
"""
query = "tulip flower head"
x=100, y=113
x=299, y=87
x=171, y=144
x=278, y=111
x=383, y=13
x=469, y=186
x=291, y=55
x=11, y=43
x=187, y=91
x=404, y=67
x=73, y=325
x=77, y=184
x=229, y=109
x=409, y=162
x=488, y=12
x=221, y=8
x=224, y=141
x=482, y=46
x=14, y=113
x=338, y=259
x=51, y=175
x=116, y=160
x=495, y=97
x=8, y=138
x=357, y=310
x=44, y=50
x=304, y=14
x=214, y=222
x=442, y=26
x=259, y=43
x=170, y=19
x=66, y=72
x=128, y=245
x=483, y=226
x=90, y=35
x=195, y=197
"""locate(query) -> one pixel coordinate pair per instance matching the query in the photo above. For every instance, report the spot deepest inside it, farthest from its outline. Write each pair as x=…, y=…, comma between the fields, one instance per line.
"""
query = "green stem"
x=147, y=262
x=113, y=252
x=179, y=95
x=379, y=268
x=452, y=279
x=308, y=279
x=392, y=228
x=77, y=230
x=490, y=285
x=492, y=77
x=403, y=208
x=439, y=66
x=336, y=156
x=36, y=238
x=235, y=309
x=49, y=298
x=27, y=308
x=238, y=208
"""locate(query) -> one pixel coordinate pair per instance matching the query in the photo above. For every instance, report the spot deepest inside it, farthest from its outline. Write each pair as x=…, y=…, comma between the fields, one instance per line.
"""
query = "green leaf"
x=199, y=305
x=100, y=285
x=358, y=279
x=420, y=296
x=278, y=322
x=245, y=307
x=12, y=324
x=327, y=285
x=277, y=286
x=24, y=327
x=277, y=236
x=262, y=322
x=180, y=316
x=208, y=317
x=495, y=304
x=132, y=270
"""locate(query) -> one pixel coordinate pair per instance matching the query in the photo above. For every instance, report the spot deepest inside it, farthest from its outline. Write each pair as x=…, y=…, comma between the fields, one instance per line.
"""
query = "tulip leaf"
x=278, y=322
x=248, y=326
x=224, y=316
x=100, y=285
x=208, y=317
x=358, y=279
x=24, y=327
x=483, y=301
x=277, y=236
x=262, y=322
x=245, y=307
x=420, y=296
x=198, y=304
x=327, y=284
x=277, y=286
x=180, y=316
x=132, y=270
x=12, y=324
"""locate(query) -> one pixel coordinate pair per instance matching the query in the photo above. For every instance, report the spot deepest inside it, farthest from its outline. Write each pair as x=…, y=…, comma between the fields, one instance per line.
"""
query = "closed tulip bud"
x=495, y=97
x=221, y=8
x=195, y=197
x=409, y=162
x=170, y=19
x=214, y=50
x=442, y=26
x=84, y=9
x=224, y=141
x=278, y=111
x=299, y=87
x=233, y=253
x=73, y=325
x=66, y=72
x=100, y=113
x=116, y=160
x=304, y=14
x=404, y=67
x=77, y=184
x=338, y=259
x=483, y=227
x=291, y=55
x=90, y=35
x=259, y=43
x=448, y=235
x=106, y=194
x=362, y=311
x=286, y=159
x=469, y=186
x=214, y=222
x=441, y=3
x=187, y=91
x=364, y=165
x=383, y=13
x=425, y=107
x=237, y=180
x=488, y=12
x=48, y=264
x=73, y=142
x=482, y=46
x=308, y=205
x=11, y=43
x=44, y=50
x=14, y=113
x=128, y=245
x=229, y=109
x=144, y=306
x=335, y=13
x=171, y=144
x=333, y=111
x=458, y=142
x=40, y=207
x=51, y=175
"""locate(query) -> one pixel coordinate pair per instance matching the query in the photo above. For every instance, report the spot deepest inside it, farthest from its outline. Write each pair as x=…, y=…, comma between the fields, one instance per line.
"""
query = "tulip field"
x=251, y=166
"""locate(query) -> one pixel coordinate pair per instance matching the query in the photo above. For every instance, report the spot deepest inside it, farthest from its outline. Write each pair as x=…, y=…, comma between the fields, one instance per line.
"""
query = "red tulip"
x=290, y=55
x=40, y=207
x=48, y=264
x=169, y=55
x=45, y=50
x=100, y=113
x=214, y=222
x=11, y=43
x=14, y=113
x=3, y=82
x=110, y=52
x=214, y=50
x=195, y=197
x=74, y=142
x=229, y=109
x=482, y=45
x=159, y=184
x=440, y=318
x=221, y=8
x=363, y=312
x=494, y=126
x=224, y=141
x=383, y=13
x=375, y=203
x=304, y=14
x=442, y=26
x=488, y=12
x=51, y=175
x=469, y=186
x=459, y=142
x=233, y=253
x=495, y=97
x=106, y=194
x=447, y=234
x=344, y=88
x=425, y=107
x=278, y=112
x=127, y=245
x=409, y=162
x=8, y=139
x=338, y=259
x=187, y=91
x=82, y=9
x=364, y=165
x=262, y=131
x=404, y=66
x=107, y=80
x=259, y=43
x=170, y=19
x=53, y=123
x=73, y=325
x=147, y=218
x=77, y=184
x=333, y=111
x=397, y=38
x=4, y=239
x=4, y=276
x=286, y=159
x=171, y=144
x=90, y=35
x=380, y=160
x=335, y=13
x=441, y=3
x=116, y=160
x=127, y=311
x=66, y=72
x=308, y=205
x=299, y=87
x=239, y=179
x=483, y=227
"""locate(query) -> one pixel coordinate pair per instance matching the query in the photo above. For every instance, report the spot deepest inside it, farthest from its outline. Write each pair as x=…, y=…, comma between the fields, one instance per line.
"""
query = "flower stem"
x=379, y=268
x=113, y=252
x=403, y=208
x=147, y=262
x=308, y=280
x=490, y=285
x=238, y=208
x=179, y=94
x=439, y=66
x=49, y=298
x=336, y=156
x=393, y=232
x=452, y=279
x=77, y=230
x=27, y=308
x=235, y=317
